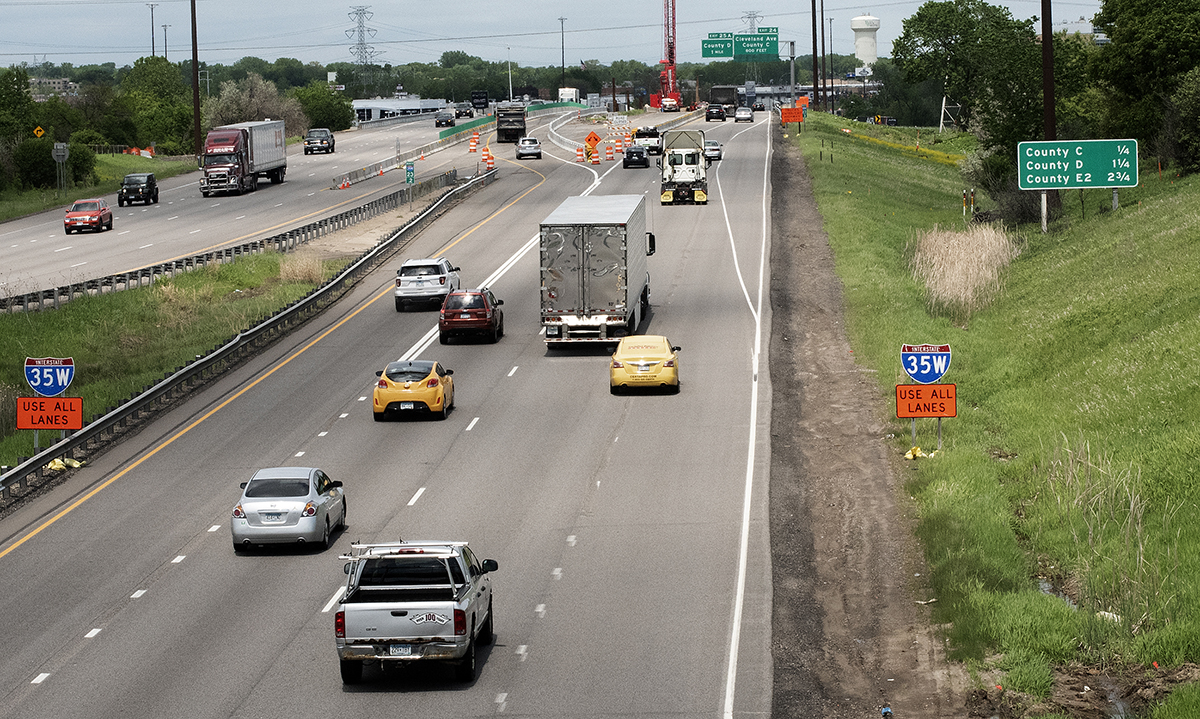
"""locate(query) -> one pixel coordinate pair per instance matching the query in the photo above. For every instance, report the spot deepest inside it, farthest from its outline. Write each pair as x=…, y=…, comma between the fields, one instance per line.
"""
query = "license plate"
x=644, y=369
x=399, y=650
x=272, y=516
x=406, y=405
x=465, y=316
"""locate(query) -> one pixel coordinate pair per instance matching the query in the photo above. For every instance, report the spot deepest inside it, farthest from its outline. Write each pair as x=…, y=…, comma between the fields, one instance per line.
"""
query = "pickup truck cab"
x=414, y=601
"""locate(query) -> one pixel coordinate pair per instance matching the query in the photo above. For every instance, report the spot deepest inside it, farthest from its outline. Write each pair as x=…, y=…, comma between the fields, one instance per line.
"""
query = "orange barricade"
x=595, y=156
x=474, y=142
x=491, y=162
x=620, y=147
x=608, y=153
x=579, y=154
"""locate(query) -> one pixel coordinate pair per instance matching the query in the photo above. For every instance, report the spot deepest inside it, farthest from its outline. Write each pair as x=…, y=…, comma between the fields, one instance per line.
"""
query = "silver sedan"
x=288, y=505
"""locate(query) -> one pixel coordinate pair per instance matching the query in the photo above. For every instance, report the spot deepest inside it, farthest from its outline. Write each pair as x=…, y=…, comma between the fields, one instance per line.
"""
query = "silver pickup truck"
x=413, y=601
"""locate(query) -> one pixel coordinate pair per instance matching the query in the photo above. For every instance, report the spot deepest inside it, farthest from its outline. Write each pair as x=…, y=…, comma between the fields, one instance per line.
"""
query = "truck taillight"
x=339, y=625
x=310, y=510
x=460, y=622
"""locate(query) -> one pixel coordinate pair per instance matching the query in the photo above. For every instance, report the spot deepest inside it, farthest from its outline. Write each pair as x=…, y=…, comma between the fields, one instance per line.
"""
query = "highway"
x=631, y=531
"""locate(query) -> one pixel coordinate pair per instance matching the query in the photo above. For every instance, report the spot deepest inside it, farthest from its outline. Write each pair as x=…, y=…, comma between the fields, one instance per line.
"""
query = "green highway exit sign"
x=1077, y=164
x=717, y=47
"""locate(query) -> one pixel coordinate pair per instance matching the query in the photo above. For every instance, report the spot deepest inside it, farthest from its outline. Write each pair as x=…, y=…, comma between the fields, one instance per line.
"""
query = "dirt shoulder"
x=848, y=633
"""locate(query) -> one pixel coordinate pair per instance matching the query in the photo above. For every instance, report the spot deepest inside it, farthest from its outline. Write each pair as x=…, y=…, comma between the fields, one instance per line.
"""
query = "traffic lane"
x=185, y=223
x=273, y=413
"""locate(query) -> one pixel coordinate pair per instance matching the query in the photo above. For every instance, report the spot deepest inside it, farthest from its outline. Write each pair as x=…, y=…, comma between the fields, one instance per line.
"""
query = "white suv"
x=425, y=281
x=529, y=146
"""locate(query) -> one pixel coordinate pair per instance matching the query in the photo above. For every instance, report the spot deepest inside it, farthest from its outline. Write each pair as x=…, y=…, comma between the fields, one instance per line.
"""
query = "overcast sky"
x=527, y=32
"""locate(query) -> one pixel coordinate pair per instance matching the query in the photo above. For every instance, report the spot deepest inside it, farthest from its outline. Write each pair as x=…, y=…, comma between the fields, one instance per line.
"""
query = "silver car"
x=743, y=113
x=712, y=150
x=288, y=505
x=529, y=146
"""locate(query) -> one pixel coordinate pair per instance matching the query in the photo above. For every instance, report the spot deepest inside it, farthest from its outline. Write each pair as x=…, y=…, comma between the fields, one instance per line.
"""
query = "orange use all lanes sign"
x=926, y=400
x=49, y=413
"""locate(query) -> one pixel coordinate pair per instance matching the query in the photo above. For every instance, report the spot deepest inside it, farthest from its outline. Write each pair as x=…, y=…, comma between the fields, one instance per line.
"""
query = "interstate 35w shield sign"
x=926, y=364
x=49, y=376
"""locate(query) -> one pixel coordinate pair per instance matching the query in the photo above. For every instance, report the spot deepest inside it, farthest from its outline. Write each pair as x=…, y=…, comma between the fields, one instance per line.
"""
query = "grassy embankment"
x=110, y=168
x=126, y=340
x=1073, y=458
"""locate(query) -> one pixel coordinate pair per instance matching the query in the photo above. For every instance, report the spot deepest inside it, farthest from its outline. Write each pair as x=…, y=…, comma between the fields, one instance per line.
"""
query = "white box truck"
x=595, y=279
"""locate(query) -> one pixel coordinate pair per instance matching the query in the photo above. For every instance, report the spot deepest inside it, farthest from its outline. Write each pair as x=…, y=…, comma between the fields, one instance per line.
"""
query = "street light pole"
x=510, y=95
x=831, y=80
x=164, y=27
x=152, y=6
x=562, y=30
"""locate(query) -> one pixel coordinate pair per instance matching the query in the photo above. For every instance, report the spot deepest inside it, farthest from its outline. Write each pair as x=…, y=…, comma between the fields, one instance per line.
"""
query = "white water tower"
x=865, y=47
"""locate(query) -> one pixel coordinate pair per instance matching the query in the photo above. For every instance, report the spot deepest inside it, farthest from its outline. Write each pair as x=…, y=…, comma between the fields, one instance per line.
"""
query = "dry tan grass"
x=302, y=266
x=961, y=269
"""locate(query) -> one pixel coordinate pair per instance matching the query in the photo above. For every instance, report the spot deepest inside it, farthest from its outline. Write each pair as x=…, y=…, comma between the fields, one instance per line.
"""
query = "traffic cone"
x=345, y=183
x=474, y=142
x=620, y=147
x=628, y=139
x=578, y=154
x=491, y=162
x=595, y=156
x=422, y=156
x=608, y=153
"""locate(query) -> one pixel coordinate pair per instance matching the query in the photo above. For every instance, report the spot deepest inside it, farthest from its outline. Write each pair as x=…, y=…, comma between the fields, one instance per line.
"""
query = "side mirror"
x=455, y=269
x=676, y=349
x=379, y=373
x=659, y=163
x=449, y=372
x=335, y=483
x=649, y=243
x=490, y=565
x=499, y=302
x=243, y=485
x=346, y=568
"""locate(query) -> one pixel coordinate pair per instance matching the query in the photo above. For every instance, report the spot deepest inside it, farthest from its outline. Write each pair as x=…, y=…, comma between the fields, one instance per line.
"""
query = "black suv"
x=636, y=155
x=715, y=112
x=464, y=109
x=444, y=119
x=318, y=139
x=138, y=186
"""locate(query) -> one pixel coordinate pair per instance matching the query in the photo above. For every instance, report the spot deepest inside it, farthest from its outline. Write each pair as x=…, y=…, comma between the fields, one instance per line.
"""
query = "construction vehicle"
x=684, y=168
x=510, y=122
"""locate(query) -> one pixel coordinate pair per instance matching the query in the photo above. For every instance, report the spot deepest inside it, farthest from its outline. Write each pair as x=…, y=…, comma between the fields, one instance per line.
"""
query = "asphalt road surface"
x=631, y=531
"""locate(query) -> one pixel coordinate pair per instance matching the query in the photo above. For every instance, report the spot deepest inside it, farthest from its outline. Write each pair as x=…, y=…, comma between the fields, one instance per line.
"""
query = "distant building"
x=866, y=47
x=42, y=88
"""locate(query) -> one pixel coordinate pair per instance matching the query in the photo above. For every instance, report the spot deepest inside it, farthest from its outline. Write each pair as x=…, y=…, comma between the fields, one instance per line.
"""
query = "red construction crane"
x=667, y=79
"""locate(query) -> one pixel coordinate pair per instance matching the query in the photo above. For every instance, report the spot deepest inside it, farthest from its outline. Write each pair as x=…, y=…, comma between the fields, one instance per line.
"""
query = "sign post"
x=926, y=364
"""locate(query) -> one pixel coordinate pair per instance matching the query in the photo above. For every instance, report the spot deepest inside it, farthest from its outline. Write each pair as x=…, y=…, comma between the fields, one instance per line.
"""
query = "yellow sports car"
x=416, y=387
x=644, y=361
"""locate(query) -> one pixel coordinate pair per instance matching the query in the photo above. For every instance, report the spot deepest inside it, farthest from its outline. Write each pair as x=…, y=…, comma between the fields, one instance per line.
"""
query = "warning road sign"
x=926, y=400
x=49, y=413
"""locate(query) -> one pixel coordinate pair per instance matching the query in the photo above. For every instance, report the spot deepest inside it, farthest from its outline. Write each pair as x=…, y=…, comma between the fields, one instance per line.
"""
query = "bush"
x=81, y=164
x=34, y=163
x=88, y=137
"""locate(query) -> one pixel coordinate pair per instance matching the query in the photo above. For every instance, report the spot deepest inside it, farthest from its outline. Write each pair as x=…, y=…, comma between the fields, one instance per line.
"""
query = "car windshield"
x=277, y=487
x=464, y=302
x=318, y=134
x=85, y=207
x=220, y=159
x=420, y=270
x=687, y=158
x=408, y=371
x=134, y=180
x=651, y=132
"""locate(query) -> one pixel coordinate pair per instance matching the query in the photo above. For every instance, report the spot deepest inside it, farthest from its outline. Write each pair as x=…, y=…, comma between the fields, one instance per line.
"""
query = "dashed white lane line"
x=344, y=415
x=195, y=231
x=79, y=264
x=311, y=194
x=279, y=205
x=332, y=601
x=126, y=232
x=501, y=700
x=145, y=246
x=360, y=399
x=64, y=248
x=512, y=372
x=299, y=454
x=557, y=573
x=540, y=610
x=523, y=652
x=40, y=678
x=137, y=594
x=322, y=434
x=472, y=424
x=176, y=217
x=214, y=528
x=416, y=496
x=571, y=540
x=178, y=559
x=92, y=633
x=240, y=217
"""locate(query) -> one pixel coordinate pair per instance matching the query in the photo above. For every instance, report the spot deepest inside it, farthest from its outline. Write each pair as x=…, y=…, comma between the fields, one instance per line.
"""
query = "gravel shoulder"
x=848, y=633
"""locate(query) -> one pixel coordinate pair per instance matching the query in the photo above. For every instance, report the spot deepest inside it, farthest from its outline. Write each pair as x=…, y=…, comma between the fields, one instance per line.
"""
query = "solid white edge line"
x=333, y=600
x=416, y=496
x=744, y=541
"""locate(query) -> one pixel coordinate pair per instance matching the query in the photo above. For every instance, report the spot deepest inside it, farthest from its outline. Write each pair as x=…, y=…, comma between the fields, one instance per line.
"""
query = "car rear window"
x=419, y=270
x=277, y=487
x=85, y=206
x=465, y=302
x=646, y=132
x=408, y=371
x=408, y=571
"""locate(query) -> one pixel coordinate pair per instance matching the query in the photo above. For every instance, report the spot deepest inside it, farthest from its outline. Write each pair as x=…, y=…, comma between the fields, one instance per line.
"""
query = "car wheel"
x=465, y=671
x=614, y=390
x=443, y=338
x=675, y=389
x=109, y=225
x=496, y=335
x=352, y=670
x=486, y=633
x=399, y=305
x=441, y=414
x=120, y=202
x=502, y=326
x=67, y=230
x=379, y=416
x=326, y=537
x=204, y=194
x=342, y=524
x=155, y=200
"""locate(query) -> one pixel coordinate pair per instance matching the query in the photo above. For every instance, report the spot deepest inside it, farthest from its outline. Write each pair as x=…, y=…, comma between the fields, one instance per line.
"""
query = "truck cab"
x=684, y=168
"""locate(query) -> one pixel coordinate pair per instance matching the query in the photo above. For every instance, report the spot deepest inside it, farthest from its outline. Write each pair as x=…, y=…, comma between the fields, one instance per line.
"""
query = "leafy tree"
x=1152, y=44
x=324, y=107
x=34, y=162
x=156, y=77
x=1187, y=105
x=916, y=104
x=16, y=105
x=254, y=99
x=81, y=164
x=454, y=58
x=65, y=119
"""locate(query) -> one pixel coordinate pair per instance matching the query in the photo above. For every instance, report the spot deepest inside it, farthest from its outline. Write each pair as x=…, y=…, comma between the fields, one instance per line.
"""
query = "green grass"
x=110, y=168
x=1074, y=453
x=126, y=340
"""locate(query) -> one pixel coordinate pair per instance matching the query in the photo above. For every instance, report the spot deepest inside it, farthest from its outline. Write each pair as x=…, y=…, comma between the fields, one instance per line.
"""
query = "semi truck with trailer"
x=510, y=122
x=236, y=156
x=684, y=168
x=594, y=273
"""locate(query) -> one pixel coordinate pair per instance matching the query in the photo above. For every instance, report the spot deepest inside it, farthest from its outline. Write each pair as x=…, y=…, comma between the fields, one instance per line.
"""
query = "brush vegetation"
x=124, y=341
x=1056, y=519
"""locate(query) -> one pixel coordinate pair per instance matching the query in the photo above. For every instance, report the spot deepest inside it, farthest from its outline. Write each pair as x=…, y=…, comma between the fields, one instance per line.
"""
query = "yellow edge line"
x=250, y=386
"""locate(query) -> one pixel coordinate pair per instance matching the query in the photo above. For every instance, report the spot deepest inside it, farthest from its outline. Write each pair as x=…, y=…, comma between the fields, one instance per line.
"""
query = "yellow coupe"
x=413, y=387
x=644, y=361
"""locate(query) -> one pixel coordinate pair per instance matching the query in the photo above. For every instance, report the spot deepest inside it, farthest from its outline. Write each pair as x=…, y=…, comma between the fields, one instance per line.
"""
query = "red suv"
x=471, y=312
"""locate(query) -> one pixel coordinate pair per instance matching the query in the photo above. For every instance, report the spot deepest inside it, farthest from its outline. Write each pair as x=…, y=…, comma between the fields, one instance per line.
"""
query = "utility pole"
x=164, y=27
x=199, y=146
x=152, y=6
x=510, y=96
x=816, y=95
x=824, y=75
x=562, y=30
x=830, y=68
x=791, y=65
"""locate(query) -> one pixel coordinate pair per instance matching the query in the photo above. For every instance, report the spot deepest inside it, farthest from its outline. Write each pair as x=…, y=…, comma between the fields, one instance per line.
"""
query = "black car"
x=636, y=155
x=464, y=109
x=715, y=112
x=759, y=106
x=318, y=139
x=444, y=119
x=138, y=186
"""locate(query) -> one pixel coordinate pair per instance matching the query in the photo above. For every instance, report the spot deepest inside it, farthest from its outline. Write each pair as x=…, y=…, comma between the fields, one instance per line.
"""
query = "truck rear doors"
x=583, y=269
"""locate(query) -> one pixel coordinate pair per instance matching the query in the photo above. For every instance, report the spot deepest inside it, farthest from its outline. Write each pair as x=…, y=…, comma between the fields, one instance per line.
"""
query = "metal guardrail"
x=54, y=298
x=225, y=356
